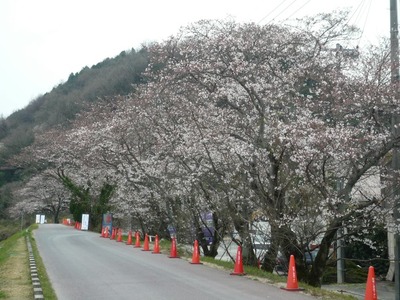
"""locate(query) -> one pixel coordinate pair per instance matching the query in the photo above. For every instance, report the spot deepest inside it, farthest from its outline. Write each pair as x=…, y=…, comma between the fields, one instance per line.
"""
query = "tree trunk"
x=249, y=257
x=270, y=258
x=319, y=264
x=290, y=247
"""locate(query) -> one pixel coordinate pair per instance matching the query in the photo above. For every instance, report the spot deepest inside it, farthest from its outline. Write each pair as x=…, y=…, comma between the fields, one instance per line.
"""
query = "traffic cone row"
x=156, y=250
x=116, y=233
x=146, y=245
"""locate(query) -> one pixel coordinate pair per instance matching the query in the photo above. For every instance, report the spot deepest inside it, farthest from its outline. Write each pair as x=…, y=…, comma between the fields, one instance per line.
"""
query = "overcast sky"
x=43, y=41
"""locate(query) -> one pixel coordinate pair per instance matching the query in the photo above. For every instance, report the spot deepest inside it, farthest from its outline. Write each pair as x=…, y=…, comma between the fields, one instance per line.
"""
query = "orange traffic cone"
x=370, y=291
x=292, y=284
x=196, y=254
x=146, y=246
x=129, y=241
x=106, y=232
x=156, y=249
x=113, y=234
x=137, y=237
x=174, y=252
x=119, y=239
x=238, y=269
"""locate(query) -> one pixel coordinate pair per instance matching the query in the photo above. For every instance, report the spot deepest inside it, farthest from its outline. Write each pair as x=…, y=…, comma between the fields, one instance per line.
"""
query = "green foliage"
x=80, y=201
x=17, y=139
x=85, y=201
x=10, y=174
x=102, y=206
x=361, y=253
x=5, y=202
x=3, y=128
x=77, y=207
x=354, y=273
x=7, y=229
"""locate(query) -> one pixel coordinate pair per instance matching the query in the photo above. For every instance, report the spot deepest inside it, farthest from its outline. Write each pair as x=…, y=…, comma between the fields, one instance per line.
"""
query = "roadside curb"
x=37, y=289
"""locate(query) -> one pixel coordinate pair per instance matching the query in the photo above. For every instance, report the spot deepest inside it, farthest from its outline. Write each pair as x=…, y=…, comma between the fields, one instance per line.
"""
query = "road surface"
x=82, y=265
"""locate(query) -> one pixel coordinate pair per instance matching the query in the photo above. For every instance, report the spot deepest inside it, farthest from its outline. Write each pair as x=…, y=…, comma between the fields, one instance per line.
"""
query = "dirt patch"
x=15, y=280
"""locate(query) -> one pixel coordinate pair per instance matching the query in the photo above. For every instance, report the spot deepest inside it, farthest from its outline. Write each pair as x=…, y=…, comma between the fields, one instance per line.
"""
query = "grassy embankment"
x=15, y=278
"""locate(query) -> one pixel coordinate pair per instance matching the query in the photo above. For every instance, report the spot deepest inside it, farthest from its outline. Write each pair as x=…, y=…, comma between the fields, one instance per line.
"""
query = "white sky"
x=43, y=41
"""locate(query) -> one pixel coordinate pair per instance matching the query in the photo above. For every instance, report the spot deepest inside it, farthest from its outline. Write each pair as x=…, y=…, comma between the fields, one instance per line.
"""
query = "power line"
x=365, y=21
x=296, y=11
x=291, y=3
x=363, y=8
x=282, y=11
x=358, y=9
x=272, y=11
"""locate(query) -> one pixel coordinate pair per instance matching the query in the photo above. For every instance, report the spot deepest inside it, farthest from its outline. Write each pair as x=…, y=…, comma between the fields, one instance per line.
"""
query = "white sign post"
x=37, y=219
x=42, y=219
x=85, y=222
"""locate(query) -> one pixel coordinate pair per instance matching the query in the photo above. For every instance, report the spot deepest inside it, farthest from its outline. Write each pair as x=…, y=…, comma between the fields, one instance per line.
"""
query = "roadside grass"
x=15, y=278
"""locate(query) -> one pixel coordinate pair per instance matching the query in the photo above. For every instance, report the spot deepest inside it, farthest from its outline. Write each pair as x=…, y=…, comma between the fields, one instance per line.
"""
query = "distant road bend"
x=81, y=265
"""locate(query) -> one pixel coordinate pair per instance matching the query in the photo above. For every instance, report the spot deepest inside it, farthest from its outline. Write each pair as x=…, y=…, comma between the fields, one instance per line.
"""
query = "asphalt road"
x=82, y=265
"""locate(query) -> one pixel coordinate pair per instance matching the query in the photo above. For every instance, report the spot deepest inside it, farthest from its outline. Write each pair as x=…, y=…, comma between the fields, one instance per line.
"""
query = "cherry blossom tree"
x=290, y=103
x=242, y=120
x=43, y=193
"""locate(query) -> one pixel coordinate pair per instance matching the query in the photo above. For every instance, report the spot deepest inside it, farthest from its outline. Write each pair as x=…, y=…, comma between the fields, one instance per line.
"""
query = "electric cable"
x=296, y=11
x=272, y=11
x=291, y=3
x=365, y=22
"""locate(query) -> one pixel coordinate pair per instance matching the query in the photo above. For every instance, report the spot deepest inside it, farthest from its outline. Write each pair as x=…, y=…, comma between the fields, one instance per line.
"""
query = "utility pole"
x=394, y=58
x=340, y=268
x=340, y=243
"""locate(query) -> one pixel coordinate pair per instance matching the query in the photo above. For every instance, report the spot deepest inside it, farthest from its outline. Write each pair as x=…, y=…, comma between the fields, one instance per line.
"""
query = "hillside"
x=112, y=76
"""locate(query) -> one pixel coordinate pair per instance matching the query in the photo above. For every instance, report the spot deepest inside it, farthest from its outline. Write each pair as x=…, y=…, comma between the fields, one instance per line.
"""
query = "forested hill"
x=112, y=76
